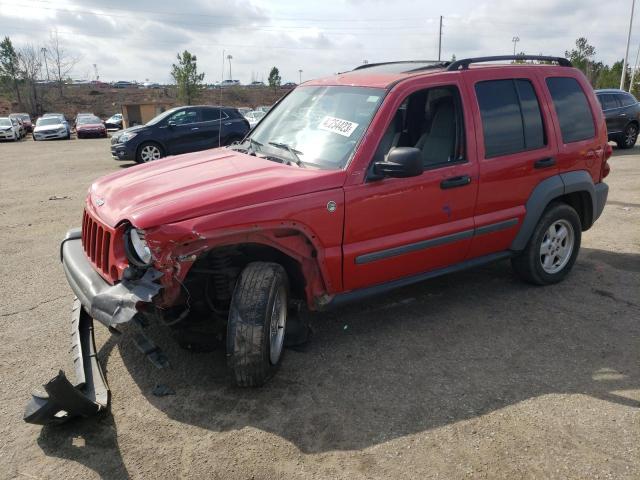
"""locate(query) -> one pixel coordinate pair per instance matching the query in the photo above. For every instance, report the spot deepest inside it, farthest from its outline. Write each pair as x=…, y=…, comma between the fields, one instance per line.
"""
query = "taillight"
x=606, y=169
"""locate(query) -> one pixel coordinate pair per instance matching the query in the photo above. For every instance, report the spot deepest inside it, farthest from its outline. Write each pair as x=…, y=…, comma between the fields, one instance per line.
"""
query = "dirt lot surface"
x=471, y=375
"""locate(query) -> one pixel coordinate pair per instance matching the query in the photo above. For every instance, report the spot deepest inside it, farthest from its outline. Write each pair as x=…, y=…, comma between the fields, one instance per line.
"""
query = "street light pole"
x=44, y=54
x=515, y=41
x=229, y=57
x=300, y=72
x=626, y=54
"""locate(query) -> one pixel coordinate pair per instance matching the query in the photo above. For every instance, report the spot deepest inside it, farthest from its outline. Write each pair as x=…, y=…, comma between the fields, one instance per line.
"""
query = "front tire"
x=553, y=247
x=257, y=323
x=629, y=137
x=149, y=151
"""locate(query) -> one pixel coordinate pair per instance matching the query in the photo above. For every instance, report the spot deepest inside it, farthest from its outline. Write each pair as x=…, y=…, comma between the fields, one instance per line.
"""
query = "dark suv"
x=622, y=113
x=352, y=185
x=180, y=130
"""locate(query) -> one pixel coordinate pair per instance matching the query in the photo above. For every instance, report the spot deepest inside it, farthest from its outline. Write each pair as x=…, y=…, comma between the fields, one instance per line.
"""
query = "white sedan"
x=254, y=117
x=9, y=129
x=49, y=128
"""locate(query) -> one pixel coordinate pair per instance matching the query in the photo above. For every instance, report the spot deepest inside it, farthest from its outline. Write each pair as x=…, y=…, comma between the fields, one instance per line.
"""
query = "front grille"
x=96, y=242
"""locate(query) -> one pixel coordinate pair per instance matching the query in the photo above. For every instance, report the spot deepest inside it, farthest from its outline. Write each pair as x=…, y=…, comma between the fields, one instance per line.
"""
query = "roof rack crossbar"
x=369, y=65
x=465, y=62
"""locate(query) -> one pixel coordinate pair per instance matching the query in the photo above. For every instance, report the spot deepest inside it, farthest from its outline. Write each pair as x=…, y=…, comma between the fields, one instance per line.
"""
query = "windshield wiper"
x=254, y=145
x=294, y=153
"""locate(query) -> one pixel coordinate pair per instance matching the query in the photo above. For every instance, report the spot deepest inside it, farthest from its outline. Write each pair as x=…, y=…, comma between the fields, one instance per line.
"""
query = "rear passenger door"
x=612, y=110
x=516, y=149
x=210, y=133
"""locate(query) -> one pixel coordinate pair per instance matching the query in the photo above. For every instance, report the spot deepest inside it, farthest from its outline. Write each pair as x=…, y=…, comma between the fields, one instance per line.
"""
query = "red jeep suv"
x=351, y=185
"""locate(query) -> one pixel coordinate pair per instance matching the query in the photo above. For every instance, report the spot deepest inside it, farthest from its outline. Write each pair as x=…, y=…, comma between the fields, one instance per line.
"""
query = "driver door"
x=398, y=227
x=182, y=131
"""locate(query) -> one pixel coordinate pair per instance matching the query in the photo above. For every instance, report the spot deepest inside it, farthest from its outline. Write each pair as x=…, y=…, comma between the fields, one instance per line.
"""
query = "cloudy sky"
x=138, y=40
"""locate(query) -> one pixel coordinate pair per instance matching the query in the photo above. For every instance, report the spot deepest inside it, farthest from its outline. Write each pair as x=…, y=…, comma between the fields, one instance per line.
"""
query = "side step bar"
x=61, y=400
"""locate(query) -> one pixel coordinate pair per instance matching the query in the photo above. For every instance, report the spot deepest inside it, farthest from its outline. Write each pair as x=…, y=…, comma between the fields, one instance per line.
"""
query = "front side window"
x=320, y=125
x=430, y=120
x=572, y=109
x=184, y=117
x=511, y=117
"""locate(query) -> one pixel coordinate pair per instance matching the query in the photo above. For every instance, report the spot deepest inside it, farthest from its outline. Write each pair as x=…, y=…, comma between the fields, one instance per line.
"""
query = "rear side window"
x=211, y=114
x=511, y=118
x=626, y=99
x=572, y=108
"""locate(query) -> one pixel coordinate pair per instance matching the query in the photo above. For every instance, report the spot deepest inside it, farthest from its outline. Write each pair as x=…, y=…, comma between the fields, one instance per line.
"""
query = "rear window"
x=572, y=109
x=511, y=118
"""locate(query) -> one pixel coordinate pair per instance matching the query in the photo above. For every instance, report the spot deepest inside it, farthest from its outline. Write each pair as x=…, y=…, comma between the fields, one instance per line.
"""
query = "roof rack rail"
x=465, y=62
x=369, y=65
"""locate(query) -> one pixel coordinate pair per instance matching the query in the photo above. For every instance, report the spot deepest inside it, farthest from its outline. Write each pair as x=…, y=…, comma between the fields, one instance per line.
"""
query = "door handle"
x=195, y=128
x=545, y=162
x=228, y=123
x=454, y=182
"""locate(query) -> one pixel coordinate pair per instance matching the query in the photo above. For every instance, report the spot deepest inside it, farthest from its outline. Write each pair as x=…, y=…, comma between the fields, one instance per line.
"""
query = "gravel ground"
x=471, y=375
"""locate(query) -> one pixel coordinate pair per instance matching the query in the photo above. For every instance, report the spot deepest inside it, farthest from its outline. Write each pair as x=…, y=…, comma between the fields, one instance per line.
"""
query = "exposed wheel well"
x=212, y=278
x=581, y=203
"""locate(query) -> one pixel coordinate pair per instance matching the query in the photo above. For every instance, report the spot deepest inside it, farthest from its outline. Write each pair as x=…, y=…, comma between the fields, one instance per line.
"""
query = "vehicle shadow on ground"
x=422, y=357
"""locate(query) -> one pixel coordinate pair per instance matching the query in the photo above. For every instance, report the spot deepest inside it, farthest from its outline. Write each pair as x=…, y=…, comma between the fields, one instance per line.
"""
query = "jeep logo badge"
x=331, y=206
x=99, y=202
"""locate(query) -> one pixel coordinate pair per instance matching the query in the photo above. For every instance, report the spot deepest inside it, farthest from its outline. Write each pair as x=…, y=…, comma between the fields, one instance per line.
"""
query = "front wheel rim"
x=149, y=152
x=277, y=324
x=557, y=246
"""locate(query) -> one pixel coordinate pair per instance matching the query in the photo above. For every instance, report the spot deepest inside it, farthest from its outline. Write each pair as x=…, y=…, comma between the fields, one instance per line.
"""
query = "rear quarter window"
x=572, y=109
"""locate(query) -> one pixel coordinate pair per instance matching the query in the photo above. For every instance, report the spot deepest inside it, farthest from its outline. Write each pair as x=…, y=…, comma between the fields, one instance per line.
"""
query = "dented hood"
x=187, y=186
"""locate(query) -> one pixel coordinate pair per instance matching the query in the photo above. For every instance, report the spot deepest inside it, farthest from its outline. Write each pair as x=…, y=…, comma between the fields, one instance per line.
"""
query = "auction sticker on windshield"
x=338, y=125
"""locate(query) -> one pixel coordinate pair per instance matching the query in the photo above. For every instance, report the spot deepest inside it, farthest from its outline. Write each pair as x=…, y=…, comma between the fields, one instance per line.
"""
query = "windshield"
x=48, y=121
x=162, y=116
x=24, y=116
x=5, y=122
x=321, y=125
x=88, y=120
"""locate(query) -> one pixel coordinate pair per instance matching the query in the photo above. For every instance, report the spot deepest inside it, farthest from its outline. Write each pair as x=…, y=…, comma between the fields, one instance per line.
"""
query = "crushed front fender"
x=61, y=400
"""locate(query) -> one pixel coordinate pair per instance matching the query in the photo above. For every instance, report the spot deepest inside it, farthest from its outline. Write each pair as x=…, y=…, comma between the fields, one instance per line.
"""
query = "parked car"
x=114, y=122
x=17, y=121
x=50, y=128
x=254, y=117
x=9, y=129
x=263, y=108
x=62, y=118
x=289, y=85
x=244, y=110
x=256, y=84
x=151, y=85
x=81, y=114
x=26, y=120
x=123, y=84
x=90, y=126
x=229, y=83
x=622, y=113
x=352, y=186
x=180, y=130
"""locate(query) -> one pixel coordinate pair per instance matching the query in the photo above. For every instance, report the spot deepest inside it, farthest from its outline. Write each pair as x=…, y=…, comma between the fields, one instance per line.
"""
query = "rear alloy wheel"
x=629, y=137
x=257, y=323
x=148, y=152
x=553, y=247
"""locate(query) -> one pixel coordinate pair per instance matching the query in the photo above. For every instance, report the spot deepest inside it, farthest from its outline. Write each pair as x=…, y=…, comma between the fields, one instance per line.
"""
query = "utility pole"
x=626, y=54
x=515, y=41
x=635, y=67
x=230, y=57
x=95, y=71
x=300, y=72
x=44, y=54
x=440, y=40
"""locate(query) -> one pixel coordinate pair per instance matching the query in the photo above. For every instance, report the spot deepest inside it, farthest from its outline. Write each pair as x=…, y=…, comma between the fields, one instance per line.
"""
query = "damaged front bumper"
x=96, y=299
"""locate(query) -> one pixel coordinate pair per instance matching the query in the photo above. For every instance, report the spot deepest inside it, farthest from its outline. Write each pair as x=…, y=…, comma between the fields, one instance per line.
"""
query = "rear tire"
x=553, y=247
x=629, y=137
x=257, y=323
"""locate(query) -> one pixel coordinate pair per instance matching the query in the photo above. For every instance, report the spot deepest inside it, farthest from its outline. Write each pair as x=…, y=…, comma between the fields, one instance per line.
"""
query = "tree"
x=61, y=62
x=10, y=66
x=581, y=57
x=274, y=78
x=187, y=78
x=31, y=70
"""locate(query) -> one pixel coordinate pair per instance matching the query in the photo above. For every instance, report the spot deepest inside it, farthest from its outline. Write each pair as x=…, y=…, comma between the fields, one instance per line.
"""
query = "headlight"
x=125, y=137
x=138, y=251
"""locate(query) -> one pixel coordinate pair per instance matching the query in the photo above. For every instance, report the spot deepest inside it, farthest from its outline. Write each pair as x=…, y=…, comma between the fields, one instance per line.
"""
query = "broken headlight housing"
x=138, y=251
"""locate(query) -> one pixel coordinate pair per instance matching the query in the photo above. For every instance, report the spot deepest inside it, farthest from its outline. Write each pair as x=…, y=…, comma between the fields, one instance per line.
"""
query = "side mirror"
x=171, y=123
x=400, y=162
